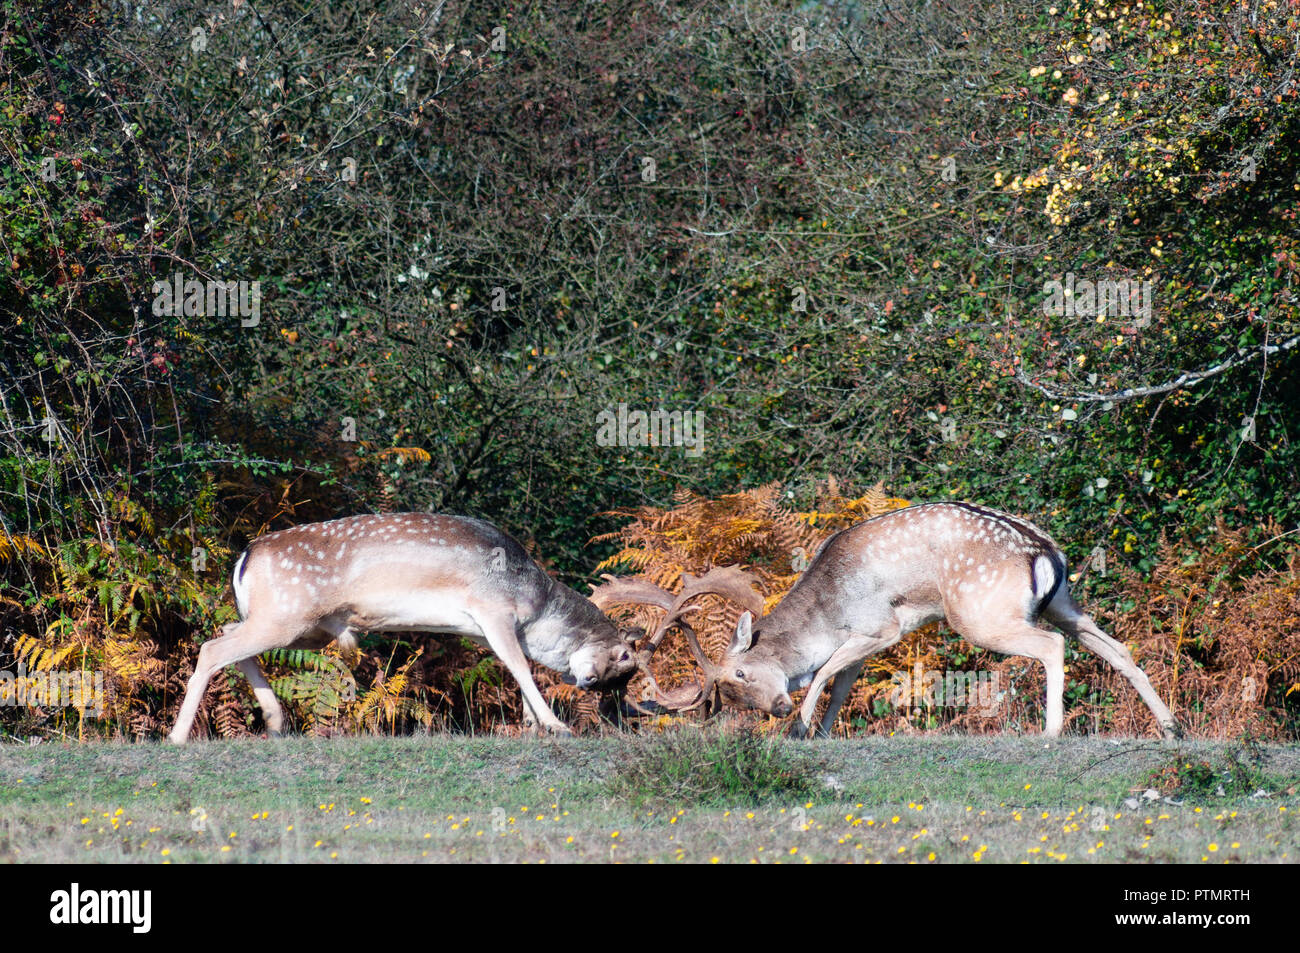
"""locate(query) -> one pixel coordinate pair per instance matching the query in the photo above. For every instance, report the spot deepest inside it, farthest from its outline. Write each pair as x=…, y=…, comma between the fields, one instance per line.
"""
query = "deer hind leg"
x=1022, y=638
x=272, y=713
x=1076, y=622
x=246, y=640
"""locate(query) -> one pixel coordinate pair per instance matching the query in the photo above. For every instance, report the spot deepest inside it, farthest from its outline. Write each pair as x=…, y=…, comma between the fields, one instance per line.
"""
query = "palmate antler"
x=730, y=582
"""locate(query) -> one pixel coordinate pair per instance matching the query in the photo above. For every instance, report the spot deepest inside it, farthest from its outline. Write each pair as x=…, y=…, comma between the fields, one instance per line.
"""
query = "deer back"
x=381, y=569
x=916, y=565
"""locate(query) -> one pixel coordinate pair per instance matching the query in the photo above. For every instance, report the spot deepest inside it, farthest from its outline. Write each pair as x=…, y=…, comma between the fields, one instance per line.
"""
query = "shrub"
x=716, y=765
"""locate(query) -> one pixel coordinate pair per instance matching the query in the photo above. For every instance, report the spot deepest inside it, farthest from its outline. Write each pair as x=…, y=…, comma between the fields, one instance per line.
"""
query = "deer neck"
x=566, y=622
x=801, y=638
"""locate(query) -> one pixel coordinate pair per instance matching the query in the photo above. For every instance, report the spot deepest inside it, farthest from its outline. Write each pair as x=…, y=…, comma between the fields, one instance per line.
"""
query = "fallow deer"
x=991, y=575
x=451, y=575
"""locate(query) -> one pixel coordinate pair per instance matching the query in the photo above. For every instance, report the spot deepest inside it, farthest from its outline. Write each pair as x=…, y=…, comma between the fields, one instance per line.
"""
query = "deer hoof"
x=798, y=729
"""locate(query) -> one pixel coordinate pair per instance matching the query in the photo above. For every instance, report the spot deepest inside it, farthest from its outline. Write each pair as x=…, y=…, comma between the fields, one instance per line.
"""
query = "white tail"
x=307, y=586
x=991, y=575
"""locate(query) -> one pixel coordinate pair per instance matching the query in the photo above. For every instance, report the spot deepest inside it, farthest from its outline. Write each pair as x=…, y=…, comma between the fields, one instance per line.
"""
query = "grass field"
x=684, y=796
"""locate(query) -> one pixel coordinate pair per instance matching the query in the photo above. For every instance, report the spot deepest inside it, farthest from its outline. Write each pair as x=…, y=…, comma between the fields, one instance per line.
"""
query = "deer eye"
x=624, y=657
x=740, y=673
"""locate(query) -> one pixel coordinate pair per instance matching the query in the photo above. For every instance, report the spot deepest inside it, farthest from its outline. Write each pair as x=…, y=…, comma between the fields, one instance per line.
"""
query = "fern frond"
x=406, y=454
x=12, y=547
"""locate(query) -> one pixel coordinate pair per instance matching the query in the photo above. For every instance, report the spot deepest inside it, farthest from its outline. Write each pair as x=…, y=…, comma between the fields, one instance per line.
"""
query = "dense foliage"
x=465, y=230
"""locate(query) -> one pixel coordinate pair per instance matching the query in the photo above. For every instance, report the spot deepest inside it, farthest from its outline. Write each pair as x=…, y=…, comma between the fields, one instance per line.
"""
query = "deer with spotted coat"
x=991, y=575
x=414, y=572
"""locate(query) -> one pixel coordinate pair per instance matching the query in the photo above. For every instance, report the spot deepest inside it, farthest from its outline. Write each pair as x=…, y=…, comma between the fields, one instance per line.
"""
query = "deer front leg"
x=530, y=719
x=840, y=689
x=848, y=655
x=499, y=630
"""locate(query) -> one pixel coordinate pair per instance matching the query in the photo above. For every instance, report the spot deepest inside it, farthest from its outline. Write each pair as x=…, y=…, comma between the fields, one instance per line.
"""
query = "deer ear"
x=632, y=633
x=744, y=637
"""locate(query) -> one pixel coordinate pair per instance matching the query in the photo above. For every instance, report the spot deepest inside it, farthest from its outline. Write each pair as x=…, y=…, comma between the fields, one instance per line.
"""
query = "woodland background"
x=827, y=226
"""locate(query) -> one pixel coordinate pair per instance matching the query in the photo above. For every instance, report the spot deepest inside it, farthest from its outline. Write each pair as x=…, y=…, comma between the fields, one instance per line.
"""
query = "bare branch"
x=1187, y=379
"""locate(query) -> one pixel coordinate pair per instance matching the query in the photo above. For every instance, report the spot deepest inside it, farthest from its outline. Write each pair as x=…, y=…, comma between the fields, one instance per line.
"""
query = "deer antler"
x=730, y=582
x=618, y=590
x=623, y=589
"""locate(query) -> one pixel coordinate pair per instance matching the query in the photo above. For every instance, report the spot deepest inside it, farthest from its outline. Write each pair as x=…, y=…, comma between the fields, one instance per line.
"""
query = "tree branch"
x=1187, y=379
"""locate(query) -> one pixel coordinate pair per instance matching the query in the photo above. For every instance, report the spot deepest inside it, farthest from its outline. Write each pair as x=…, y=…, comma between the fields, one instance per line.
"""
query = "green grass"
x=709, y=768
x=1237, y=771
x=683, y=796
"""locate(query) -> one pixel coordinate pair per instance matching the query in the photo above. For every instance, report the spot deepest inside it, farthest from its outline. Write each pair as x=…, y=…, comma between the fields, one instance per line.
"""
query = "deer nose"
x=782, y=706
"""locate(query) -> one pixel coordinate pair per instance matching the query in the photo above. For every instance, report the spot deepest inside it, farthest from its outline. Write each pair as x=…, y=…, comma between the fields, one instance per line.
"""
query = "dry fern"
x=753, y=528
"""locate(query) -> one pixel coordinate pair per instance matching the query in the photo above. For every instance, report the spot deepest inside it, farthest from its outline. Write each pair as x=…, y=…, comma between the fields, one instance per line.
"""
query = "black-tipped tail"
x=1047, y=574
